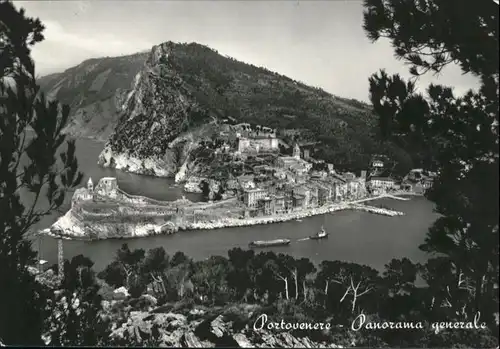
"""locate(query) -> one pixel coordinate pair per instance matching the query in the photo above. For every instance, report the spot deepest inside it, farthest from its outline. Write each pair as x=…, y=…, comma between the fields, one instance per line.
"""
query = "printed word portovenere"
x=263, y=323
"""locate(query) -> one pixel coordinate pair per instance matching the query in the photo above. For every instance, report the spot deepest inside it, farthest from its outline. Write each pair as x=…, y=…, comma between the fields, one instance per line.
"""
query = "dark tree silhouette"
x=205, y=190
x=293, y=290
x=156, y=260
x=131, y=262
x=74, y=317
x=30, y=139
x=178, y=258
x=240, y=277
x=400, y=275
x=455, y=136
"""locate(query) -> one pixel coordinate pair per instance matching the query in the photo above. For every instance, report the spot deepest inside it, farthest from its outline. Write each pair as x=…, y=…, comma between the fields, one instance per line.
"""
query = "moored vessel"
x=268, y=243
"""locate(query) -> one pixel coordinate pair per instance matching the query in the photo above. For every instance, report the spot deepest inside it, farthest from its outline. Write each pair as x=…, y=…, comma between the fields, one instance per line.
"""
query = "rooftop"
x=245, y=178
x=376, y=178
x=256, y=190
x=292, y=159
x=109, y=178
x=289, y=158
x=339, y=178
x=259, y=136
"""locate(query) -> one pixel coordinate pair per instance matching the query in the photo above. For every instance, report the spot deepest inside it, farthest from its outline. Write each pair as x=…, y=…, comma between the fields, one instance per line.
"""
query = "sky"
x=320, y=43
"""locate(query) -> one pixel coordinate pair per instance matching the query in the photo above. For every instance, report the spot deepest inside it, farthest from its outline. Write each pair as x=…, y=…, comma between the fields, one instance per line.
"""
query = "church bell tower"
x=90, y=185
x=296, y=151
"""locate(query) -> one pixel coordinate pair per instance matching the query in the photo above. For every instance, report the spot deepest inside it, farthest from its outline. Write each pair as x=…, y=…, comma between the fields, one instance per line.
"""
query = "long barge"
x=268, y=243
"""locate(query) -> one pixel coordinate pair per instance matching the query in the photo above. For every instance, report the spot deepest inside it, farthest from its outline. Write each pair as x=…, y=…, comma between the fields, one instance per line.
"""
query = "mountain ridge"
x=94, y=89
x=141, y=103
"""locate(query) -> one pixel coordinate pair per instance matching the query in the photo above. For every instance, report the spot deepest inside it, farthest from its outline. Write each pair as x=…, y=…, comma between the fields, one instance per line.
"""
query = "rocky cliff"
x=144, y=103
x=95, y=90
x=182, y=87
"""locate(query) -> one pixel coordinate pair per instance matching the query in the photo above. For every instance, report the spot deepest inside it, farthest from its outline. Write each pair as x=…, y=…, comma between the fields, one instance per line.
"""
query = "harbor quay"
x=108, y=212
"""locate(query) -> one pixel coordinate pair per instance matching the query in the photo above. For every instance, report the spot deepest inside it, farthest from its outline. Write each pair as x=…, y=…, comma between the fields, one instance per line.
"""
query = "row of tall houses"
x=417, y=181
x=252, y=196
x=381, y=183
x=314, y=193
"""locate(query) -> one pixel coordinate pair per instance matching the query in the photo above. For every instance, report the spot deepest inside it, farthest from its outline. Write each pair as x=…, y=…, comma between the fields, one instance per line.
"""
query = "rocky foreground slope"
x=141, y=321
x=95, y=90
x=230, y=327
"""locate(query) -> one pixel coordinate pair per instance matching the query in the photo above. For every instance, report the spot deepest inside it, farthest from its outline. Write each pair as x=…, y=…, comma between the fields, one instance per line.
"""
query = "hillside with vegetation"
x=248, y=299
x=95, y=91
x=184, y=86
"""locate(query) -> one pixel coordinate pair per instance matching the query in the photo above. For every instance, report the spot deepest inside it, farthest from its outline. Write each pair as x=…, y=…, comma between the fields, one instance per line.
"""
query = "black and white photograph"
x=237, y=173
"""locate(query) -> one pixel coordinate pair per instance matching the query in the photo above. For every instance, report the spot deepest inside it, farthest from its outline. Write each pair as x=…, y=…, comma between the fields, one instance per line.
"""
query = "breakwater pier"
x=376, y=210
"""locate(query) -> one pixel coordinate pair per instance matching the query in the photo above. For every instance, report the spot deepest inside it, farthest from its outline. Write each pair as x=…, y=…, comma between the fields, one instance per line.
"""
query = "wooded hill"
x=184, y=85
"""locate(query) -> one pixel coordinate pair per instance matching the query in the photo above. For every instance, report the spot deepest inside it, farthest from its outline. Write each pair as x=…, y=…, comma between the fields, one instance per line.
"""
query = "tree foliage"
x=30, y=142
x=296, y=290
x=215, y=87
x=75, y=316
x=456, y=136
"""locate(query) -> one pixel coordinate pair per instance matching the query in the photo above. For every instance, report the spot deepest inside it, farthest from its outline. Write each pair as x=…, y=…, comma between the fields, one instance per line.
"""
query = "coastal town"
x=275, y=182
x=310, y=174
x=273, y=187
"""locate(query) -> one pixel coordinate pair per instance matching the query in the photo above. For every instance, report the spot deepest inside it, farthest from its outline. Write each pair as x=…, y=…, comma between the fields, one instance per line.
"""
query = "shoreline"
x=229, y=223
x=72, y=227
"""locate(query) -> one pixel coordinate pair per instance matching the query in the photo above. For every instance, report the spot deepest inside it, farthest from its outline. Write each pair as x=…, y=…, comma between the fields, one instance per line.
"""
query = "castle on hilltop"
x=107, y=186
x=262, y=139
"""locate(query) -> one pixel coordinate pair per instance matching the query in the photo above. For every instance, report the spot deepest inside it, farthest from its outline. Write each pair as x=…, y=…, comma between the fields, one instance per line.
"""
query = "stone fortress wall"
x=257, y=139
x=257, y=144
x=107, y=189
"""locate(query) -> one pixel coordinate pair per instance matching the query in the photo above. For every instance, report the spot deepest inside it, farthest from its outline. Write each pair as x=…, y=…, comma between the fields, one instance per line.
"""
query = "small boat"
x=322, y=234
x=268, y=243
x=298, y=220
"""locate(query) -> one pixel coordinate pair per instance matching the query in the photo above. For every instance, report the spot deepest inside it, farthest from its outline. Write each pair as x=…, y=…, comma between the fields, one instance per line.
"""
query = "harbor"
x=345, y=225
x=386, y=237
x=183, y=215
